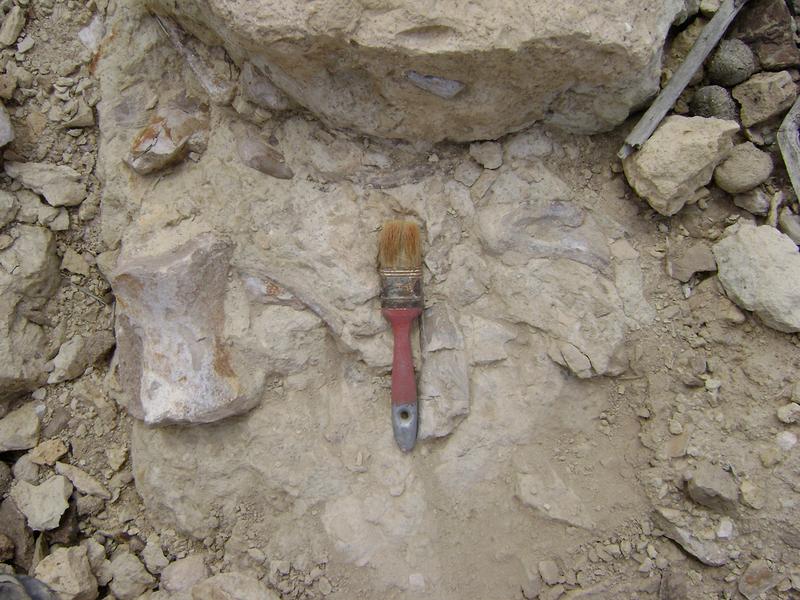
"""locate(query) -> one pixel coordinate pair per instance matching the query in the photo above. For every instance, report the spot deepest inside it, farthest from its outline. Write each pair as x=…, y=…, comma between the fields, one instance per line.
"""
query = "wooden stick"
x=707, y=41
x=790, y=145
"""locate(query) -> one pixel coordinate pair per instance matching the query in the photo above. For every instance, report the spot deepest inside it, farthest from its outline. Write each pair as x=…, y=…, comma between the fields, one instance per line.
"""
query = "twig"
x=707, y=41
x=789, y=145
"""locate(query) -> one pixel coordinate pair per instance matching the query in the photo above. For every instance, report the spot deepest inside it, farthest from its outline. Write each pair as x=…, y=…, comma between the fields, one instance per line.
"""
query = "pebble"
x=48, y=452
x=183, y=574
x=789, y=413
x=42, y=504
x=757, y=579
x=732, y=63
x=438, y=86
x=786, y=440
x=326, y=588
x=129, y=577
x=714, y=101
x=487, y=154
x=746, y=168
x=19, y=429
x=712, y=486
x=725, y=528
x=764, y=96
x=74, y=263
x=12, y=26
x=82, y=481
x=6, y=128
x=550, y=572
x=116, y=457
x=755, y=202
x=683, y=262
x=752, y=495
x=59, y=184
x=25, y=469
x=789, y=224
x=78, y=353
x=675, y=427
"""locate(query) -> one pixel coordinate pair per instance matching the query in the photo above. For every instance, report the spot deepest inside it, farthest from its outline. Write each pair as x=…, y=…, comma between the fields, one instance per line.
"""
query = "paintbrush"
x=400, y=268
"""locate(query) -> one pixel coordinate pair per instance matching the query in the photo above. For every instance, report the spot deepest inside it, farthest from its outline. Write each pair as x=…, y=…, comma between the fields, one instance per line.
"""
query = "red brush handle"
x=404, y=384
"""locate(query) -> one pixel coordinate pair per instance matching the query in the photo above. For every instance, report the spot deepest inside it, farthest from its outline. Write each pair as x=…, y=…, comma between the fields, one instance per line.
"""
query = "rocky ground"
x=194, y=372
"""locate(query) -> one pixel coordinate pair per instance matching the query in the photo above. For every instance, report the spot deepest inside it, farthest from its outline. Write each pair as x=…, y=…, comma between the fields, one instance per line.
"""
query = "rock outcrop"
x=414, y=71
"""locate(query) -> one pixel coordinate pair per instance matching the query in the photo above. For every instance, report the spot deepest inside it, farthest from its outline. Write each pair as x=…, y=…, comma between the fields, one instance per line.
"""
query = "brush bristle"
x=399, y=246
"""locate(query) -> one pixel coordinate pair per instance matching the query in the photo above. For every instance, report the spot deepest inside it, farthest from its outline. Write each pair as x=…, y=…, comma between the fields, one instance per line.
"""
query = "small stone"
x=89, y=505
x=6, y=129
x=8, y=208
x=129, y=577
x=60, y=185
x=19, y=429
x=467, y=172
x=683, y=263
x=709, y=8
x=725, y=529
x=752, y=495
x=713, y=487
x=116, y=457
x=184, y=574
x=47, y=453
x=438, y=86
x=759, y=268
x=78, y=353
x=675, y=427
x=745, y=168
x=755, y=202
x=325, y=586
x=101, y=566
x=74, y=263
x=258, y=155
x=84, y=117
x=532, y=587
x=6, y=548
x=770, y=457
x=789, y=224
x=153, y=555
x=789, y=413
x=764, y=96
x=67, y=571
x=12, y=26
x=168, y=139
x=786, y=440
x=550, y=572
x=672, y=523
x=25, y=44
x=678, y=160
x=714, y=101
x=82, y=481
x=487, y=154
x=732, y=63
x=25, y=469
x=8, y=85
x=757, y=579
x=42, y=504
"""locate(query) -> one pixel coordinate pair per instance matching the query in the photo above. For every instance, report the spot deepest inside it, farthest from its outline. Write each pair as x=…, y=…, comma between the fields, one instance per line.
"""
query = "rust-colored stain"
x=99, y=53
x=222, y=364
x=148, y=136
x=130, y=284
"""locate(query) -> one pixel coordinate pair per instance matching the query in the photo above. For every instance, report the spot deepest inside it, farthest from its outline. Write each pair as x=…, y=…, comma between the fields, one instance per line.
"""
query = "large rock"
x=129, y=577
x=530, y=286
x=59, y=184
x=28, y=278
x=713, y=487
x=414, y=71
x=759, y=267
x=678, y=160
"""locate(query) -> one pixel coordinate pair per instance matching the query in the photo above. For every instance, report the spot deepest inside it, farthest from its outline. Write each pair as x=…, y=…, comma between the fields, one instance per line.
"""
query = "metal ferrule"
x=401, y=288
